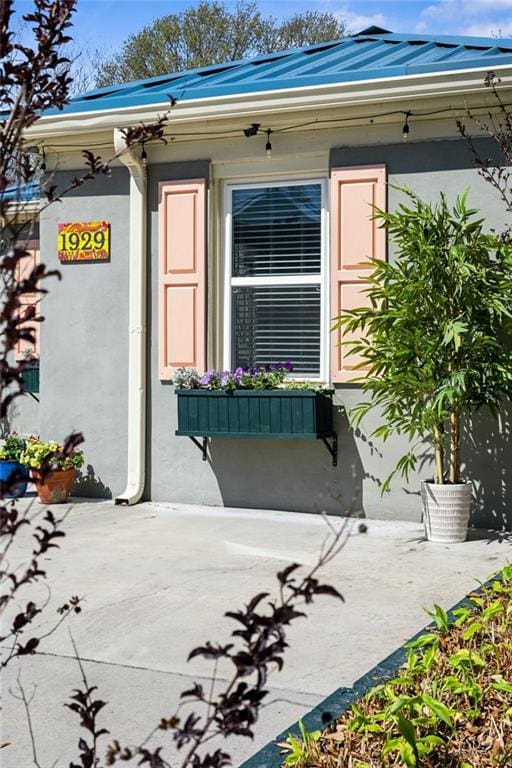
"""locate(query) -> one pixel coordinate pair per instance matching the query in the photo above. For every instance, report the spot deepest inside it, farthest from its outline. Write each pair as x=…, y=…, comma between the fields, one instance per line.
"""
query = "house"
x=237, y=241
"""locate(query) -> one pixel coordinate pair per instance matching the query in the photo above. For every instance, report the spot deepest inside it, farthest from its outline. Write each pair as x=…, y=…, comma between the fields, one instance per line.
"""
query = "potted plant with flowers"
x=14, y=476
x=52, y=471
x=436, y=339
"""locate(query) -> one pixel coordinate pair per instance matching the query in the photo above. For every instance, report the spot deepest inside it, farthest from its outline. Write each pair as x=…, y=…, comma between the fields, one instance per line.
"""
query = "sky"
x=105, y=24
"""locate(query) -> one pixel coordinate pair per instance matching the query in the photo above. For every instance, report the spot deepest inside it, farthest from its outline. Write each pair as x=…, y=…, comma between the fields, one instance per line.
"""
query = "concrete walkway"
x=156, y=580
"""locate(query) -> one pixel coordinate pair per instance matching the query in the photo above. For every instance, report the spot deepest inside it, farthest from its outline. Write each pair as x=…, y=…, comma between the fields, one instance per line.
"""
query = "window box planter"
x=276, y=414
x=31, y=378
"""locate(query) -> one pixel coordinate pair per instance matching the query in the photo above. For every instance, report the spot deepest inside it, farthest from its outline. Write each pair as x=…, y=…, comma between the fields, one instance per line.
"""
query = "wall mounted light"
x=253, y=130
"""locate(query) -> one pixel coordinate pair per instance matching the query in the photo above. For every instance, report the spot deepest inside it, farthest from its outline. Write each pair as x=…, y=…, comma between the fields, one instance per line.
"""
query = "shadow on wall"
x=294, y=475
x=22, y=417
x=488, y=465
x=87, y=484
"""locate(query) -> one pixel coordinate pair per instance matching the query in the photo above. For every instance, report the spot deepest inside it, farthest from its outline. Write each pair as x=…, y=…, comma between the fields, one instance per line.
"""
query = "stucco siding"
x=429, y=168
x=84, y=339
x=84, y=351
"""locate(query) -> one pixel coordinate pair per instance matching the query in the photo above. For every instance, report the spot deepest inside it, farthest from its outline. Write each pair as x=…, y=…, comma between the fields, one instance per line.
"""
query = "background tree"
x=302, y=29
x=209, y=33
x=497, y=126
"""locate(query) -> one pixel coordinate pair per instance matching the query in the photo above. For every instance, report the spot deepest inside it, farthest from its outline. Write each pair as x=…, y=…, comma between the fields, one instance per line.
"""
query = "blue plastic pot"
x=14, y=479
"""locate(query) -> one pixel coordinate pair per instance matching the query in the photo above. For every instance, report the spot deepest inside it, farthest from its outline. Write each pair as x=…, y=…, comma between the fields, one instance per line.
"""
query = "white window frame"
x=321, y=279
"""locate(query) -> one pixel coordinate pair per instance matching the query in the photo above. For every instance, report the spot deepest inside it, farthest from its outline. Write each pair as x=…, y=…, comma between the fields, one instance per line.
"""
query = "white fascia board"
x=23, y=210
x=431, y=85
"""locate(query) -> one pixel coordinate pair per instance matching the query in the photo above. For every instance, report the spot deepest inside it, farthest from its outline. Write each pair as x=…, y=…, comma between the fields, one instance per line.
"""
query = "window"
x=275, y=298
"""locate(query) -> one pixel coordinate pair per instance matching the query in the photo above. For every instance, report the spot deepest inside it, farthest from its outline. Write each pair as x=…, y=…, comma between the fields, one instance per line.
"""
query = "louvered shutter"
x=182, y=276
x=355, y=239
x=24, y=269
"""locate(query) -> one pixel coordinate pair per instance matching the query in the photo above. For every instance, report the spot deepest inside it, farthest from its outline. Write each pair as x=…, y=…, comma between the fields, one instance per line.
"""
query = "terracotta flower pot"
x=55, y=487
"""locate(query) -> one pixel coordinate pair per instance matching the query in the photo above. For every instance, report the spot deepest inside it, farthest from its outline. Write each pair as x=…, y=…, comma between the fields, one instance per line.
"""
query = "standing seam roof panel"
x=371, y=54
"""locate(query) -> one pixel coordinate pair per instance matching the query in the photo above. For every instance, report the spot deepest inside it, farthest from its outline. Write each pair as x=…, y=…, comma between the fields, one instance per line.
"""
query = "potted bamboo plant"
x=436, y=339
x=52, y=471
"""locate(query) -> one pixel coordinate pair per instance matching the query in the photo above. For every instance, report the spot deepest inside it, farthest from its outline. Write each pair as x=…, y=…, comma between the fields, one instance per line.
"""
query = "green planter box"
x=31, y=379
x=301, y=414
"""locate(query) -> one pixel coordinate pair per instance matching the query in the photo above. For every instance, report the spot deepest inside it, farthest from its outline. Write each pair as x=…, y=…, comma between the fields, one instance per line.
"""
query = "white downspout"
x=137, y=321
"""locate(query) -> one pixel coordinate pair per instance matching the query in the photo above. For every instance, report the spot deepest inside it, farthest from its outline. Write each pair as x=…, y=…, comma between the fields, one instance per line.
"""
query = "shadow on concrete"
x=88, y=484
x=482, y=534
x=474, y=534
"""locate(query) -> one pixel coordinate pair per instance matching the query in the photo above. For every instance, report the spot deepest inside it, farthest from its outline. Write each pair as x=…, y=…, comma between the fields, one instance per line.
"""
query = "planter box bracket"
x=203, y=446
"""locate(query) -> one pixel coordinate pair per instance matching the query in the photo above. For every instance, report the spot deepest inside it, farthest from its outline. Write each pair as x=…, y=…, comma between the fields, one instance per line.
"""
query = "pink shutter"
x=355, y=239
x=182, y=276
x=24, y=269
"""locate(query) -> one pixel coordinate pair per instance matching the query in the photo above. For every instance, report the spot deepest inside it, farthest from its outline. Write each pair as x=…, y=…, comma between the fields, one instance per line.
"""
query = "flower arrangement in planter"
x=436, y=338
x=14, y=476
x=270, y=376
x=252, y=402
x=52, y=471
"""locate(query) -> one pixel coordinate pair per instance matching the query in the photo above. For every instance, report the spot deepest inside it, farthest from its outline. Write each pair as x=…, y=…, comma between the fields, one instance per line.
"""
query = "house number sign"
x=84, y=241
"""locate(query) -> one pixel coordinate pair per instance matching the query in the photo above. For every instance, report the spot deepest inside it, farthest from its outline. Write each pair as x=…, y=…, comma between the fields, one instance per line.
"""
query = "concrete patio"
x=156, y=580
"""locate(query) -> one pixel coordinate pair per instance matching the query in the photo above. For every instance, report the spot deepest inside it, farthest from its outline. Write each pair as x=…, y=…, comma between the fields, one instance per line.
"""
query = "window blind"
x=277, y=230
x=273, y=324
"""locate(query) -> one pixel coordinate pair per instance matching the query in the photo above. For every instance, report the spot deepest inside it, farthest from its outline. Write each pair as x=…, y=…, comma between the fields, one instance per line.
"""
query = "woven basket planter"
x=446, y=511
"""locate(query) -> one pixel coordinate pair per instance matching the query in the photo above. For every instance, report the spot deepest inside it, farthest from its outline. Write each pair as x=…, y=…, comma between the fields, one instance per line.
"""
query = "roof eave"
x=403, y=87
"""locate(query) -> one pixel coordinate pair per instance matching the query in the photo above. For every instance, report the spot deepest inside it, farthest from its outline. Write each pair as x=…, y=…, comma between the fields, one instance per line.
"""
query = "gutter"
x=137, y=323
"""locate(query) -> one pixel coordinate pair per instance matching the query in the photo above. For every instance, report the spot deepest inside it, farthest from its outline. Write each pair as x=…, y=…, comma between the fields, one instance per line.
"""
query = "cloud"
x=452, y=8
x=490, y=29
x=356, y=22
x=480, y=18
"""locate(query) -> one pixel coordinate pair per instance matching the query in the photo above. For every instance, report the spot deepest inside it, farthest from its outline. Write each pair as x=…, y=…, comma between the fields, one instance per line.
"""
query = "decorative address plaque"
x=84, y=241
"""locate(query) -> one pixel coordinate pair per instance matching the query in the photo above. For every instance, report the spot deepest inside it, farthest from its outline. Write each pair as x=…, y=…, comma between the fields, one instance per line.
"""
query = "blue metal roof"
x=22, y=193
x=371, y=54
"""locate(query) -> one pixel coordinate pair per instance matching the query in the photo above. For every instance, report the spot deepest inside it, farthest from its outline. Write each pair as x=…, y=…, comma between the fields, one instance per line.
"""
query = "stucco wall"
x=429, y=168
x=299, y=476
x=173, y=473
x=84, y=339
x=84, y=370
